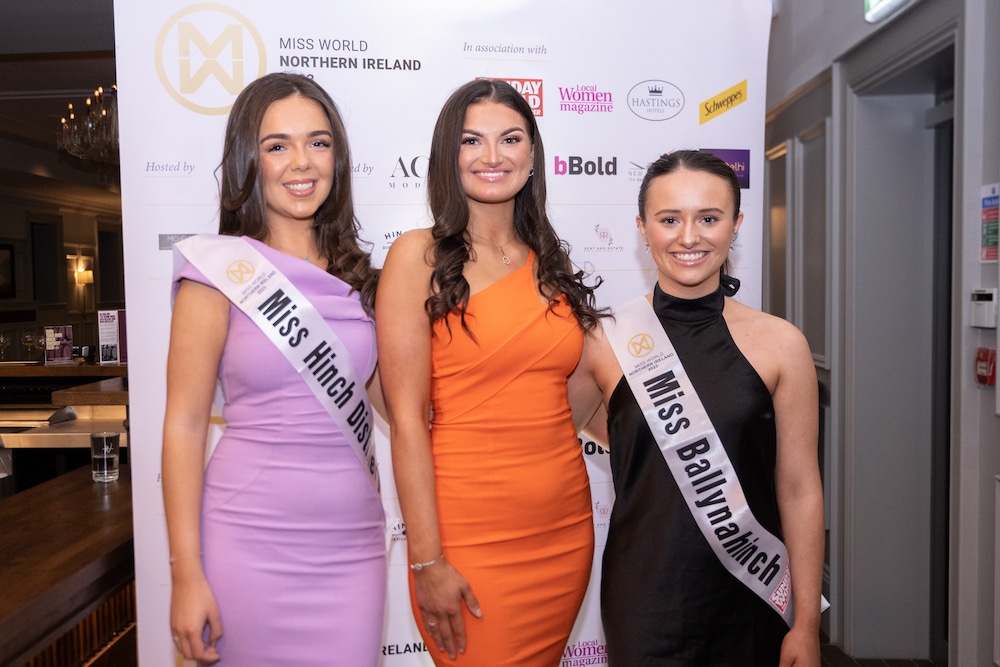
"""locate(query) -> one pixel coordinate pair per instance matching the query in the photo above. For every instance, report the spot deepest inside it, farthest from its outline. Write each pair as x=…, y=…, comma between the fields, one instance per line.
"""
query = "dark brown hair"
x=242, y=209
x=450, y=211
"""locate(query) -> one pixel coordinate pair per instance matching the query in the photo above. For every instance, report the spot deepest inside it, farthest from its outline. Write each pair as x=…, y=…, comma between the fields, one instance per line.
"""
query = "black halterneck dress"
x=665, y=598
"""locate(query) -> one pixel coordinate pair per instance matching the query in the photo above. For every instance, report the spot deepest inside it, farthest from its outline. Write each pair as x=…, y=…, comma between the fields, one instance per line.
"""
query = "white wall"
x=976, y=450
x=806, y=37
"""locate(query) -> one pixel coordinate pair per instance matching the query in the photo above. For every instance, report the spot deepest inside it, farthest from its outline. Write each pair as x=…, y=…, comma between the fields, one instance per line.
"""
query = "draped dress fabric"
x=513, y=494
x=666, y=599
x=292, y=530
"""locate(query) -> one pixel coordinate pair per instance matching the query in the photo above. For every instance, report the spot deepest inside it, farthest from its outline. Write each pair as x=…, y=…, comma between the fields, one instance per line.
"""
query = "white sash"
x=696, y=458
x=255, y=286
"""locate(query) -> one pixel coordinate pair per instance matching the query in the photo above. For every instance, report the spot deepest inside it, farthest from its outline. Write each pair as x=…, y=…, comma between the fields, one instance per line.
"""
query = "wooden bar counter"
x=25, y=369
x=67, y=548
x=113, y=391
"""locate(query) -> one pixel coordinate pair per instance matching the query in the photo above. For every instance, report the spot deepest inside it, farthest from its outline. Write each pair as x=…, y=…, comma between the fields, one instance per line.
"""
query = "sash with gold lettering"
x=696, y=458
x=255, y=286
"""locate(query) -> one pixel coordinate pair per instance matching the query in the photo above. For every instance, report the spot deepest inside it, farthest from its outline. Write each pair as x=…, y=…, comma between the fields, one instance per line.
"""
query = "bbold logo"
x=575, y=165
x=205, y=54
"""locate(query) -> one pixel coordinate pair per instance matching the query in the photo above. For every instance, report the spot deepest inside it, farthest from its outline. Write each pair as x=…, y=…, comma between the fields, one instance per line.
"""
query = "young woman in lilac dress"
x=277, y=547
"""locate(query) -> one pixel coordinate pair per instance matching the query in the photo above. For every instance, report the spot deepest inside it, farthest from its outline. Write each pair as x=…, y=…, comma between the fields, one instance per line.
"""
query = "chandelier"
x=92, y=134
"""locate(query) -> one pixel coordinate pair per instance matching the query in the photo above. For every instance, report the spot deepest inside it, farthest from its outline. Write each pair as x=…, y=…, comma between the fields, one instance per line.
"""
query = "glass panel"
x=112, y=270
x=813, y=279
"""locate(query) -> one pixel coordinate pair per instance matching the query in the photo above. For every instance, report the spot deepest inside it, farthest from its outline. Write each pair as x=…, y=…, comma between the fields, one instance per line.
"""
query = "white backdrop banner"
x=613, y=86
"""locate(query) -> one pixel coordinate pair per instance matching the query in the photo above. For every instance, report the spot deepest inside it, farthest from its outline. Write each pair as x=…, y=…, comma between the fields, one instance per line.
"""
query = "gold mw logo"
x=640, y=345
x=206, y=54
x=240, y=271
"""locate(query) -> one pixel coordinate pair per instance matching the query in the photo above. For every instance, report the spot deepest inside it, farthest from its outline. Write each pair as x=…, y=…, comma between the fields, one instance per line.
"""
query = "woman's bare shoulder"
x=412, y=249
x=741, y=317
x=772, y=345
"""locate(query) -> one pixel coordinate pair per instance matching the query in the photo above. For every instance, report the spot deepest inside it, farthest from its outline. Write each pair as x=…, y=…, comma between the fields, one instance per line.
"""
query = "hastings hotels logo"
x=655, y=100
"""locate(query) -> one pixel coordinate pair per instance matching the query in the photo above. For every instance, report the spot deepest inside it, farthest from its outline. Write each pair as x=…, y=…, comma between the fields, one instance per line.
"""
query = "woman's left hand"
x=800, y=649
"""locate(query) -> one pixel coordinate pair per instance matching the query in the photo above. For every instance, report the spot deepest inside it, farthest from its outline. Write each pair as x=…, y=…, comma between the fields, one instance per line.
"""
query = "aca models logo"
x=655, y=100
x=575, y=165
x=408, y=173
x=206, y=54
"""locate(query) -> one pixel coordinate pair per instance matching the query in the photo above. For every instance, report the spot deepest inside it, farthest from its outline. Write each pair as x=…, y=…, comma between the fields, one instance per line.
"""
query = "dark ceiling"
x=53, y=52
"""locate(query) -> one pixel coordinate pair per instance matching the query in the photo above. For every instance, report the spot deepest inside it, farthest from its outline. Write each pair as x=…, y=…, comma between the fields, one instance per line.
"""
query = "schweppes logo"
x=240, y=271
x=640, y=345
x=723, y=102
x=206, y=54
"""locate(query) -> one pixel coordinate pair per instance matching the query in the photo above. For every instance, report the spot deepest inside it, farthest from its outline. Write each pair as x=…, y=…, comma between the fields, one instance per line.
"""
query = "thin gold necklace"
x=503, y=255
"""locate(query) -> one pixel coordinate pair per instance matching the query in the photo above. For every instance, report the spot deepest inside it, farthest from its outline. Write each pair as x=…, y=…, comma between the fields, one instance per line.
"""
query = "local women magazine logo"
x=585, y=652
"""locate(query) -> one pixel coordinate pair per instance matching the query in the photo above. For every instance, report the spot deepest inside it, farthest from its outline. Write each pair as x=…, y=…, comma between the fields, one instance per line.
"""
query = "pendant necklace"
x=503, y=255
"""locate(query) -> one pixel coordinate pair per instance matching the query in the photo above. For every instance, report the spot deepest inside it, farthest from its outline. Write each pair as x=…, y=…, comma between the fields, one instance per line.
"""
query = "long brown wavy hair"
x=242, y=209
x=450, y=211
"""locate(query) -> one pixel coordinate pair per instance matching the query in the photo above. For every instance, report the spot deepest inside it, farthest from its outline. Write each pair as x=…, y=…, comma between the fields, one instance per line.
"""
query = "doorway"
x=897, y=231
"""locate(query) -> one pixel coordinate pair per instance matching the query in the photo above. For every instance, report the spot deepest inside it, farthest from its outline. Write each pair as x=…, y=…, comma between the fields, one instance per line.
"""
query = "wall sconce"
x=85, y=277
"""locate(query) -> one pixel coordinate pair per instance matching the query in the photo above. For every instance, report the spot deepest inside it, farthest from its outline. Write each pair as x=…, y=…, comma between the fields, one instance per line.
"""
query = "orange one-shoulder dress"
x=513, y=495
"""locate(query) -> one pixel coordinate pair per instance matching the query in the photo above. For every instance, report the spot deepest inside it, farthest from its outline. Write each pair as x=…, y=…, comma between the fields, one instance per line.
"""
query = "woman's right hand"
x=440, y=590
x=192, y=608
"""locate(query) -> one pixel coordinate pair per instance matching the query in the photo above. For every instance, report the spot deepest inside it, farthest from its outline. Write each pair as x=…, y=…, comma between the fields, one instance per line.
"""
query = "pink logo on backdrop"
x=585, y=98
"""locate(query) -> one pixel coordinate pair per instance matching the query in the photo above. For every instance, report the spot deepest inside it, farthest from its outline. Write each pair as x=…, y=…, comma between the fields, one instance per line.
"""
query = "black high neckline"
x=703, y=308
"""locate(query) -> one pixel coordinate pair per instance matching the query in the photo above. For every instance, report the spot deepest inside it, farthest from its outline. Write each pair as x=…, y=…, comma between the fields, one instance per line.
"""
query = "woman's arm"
x=586, y=397
x=591, y=386
x=799, y=490
x=198, y=331
x=375, y=395
x=404, y=347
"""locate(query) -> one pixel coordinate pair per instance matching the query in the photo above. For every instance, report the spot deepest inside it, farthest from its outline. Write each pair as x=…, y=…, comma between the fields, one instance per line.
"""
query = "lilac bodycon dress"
x=292, y=530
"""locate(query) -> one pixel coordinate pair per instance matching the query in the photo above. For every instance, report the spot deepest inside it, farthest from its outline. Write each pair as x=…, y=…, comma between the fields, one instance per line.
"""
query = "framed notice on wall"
x=990, y=219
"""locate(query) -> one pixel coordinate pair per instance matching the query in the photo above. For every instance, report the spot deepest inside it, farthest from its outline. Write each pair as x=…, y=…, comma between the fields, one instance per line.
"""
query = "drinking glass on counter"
x=28, y=341
x=104, y=456
x=5, y=341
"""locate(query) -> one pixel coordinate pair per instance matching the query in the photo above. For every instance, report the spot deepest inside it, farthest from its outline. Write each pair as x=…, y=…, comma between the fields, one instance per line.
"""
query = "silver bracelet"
x=416, y=567
x=174, y=560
